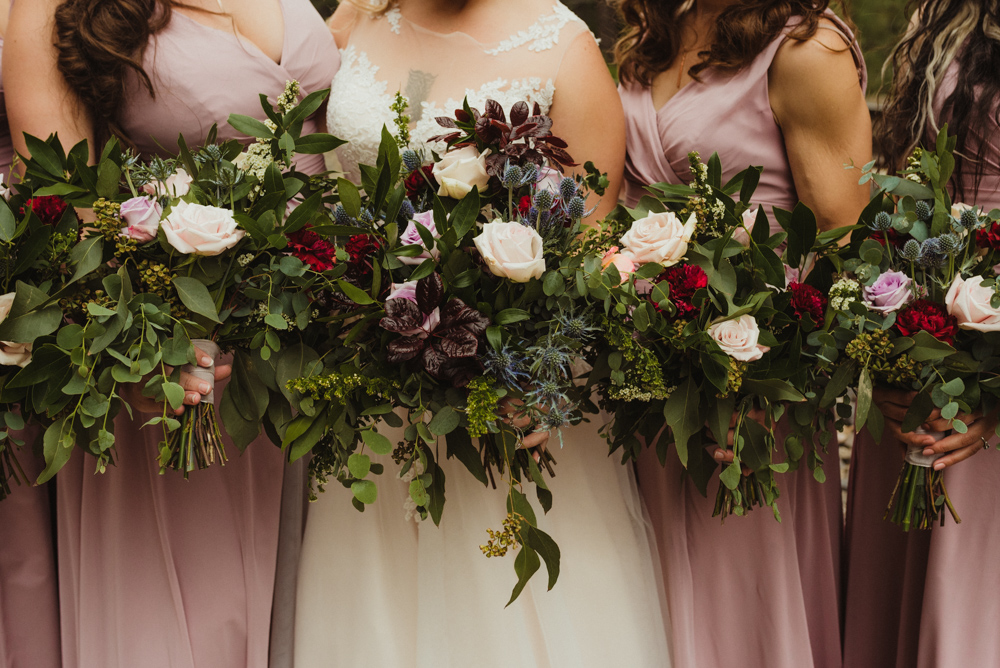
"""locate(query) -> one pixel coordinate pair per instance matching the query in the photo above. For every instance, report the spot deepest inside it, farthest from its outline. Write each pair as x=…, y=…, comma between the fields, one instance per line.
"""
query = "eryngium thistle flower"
x=882, y=221
x=567, y=189
x=911, y=250
x=411, y=160
x=508, y=366
x=924, y=210
x=366, y=217
x=544, y=200
x=530, y=174
x=950, y=244
x=969, y=219
x=931, y=254
x=574, y=327
x=557, y=417
x=550, y=359
x=342, y=217
x=577, y=208
x=512, y=176
x=406, y=212
x=547, y=392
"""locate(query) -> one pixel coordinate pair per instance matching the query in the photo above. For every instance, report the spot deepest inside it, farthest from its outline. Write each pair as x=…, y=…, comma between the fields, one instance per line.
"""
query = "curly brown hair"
x=651, y=40
x=98, y=43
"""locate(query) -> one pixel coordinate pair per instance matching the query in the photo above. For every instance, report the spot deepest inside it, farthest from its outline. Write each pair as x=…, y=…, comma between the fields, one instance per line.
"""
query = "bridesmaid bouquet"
x=36, y=241
x=918, y=308
x=458, y=301
x=716, y=342
x=193, y=246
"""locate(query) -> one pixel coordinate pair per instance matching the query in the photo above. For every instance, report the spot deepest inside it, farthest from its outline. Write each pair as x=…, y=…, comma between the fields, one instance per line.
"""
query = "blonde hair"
x=374, y=7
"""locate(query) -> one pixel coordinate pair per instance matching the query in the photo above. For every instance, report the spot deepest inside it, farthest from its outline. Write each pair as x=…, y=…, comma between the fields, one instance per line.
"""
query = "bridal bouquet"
x=458, y=318
x=919, y=309
x=715, y=343
x=186, y=252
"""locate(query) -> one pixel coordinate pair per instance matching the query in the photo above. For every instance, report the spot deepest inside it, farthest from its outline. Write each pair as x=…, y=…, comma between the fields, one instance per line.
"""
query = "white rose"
x=742, y=234
x=12, y=354
x=177, y=185
x=659, y=238
x=738, y=338
x=511, y=250
x=201, y=230
x=969, y=301
x=460, y=171
x=4, y=189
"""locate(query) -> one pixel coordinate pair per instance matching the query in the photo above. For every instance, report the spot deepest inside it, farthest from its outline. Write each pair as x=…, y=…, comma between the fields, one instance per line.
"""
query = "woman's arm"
x=587, y=114
x=823, y=116
x=39, y=102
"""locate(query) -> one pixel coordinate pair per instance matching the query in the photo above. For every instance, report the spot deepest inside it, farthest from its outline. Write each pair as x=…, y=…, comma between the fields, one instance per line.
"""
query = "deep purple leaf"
x=518, y=113
x=429, y=293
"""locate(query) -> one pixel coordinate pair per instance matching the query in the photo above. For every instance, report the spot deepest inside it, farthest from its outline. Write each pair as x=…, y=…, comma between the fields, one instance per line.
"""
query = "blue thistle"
x=550, y=360
x=567, y=189
x=557, y=417
x=342, y=217
x=544, y=199
x=924, y=210
x=406, y=212
x=411, y=160
x=508, y=366
x=530, y=174
x=574, y=327
x=366, y=217
x=512, y=176
x=911, y=250
x=931, y=254
x=882, y=221
x=577, y=208
x=969, y=219
x=950, y=244
x=546, y=393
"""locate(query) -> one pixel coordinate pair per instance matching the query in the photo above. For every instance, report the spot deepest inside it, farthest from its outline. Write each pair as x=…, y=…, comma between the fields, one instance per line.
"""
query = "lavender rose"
x=141, y=216
x=890, y=292
x=411, y=237
x=407, y=290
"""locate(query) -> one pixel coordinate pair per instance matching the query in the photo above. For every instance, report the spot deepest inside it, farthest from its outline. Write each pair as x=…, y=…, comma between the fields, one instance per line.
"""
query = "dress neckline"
x=243, y=40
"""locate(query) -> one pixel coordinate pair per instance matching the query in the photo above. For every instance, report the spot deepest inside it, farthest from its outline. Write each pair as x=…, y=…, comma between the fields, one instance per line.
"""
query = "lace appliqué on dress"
x=541, y=36
x=394, y=16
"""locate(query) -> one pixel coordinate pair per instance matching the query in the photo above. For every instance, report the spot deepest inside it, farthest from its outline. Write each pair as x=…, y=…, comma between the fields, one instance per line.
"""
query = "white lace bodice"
x=435, y=72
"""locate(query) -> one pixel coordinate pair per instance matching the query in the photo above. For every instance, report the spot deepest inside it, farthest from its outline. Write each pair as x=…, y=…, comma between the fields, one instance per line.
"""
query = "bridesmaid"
x=927, y=599
x=778, y=83
x=156, y=571
x=29, y=602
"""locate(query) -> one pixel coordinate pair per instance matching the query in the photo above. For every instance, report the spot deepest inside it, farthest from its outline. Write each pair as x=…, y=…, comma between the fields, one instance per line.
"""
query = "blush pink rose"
x=659, y=238
x=738, y=338
x=201, y=230
x=141, y=216
x=458, y=172
x=969, y=301
x=624, y=264
x=177, y=185
x=407, y=290
x=742, y=234
x=512, y=250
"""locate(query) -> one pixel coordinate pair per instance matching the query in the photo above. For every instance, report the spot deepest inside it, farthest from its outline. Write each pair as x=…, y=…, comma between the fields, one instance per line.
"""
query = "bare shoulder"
x=583, y=58
x=826, y=53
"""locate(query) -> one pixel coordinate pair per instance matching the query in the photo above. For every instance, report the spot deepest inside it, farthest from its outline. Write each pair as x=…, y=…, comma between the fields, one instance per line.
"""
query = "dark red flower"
x=989, y=237
x=684, y=281
x=807, y=299
x=897, y=239
x=48, y=208
x=361, y=248
x=923, y=314
x=312, y=249
x=524, y=206
x=419, y=180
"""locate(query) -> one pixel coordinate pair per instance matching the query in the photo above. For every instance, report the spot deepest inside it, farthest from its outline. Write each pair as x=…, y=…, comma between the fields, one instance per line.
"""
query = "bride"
x=382, y=589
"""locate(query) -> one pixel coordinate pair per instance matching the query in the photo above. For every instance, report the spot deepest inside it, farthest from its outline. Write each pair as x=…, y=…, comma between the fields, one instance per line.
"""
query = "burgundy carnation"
x=895, y=238
x=684, y=281
x=419, y=180
x=361, y=248
x=807, y=299
x=989, y=237
x=48, y=208
x=312, y=249
x=524, y=206
x=923, y=314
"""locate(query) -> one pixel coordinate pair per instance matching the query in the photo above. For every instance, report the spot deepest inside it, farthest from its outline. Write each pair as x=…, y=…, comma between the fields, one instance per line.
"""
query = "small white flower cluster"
x=260, y=312
x=843, y=293
x=290, y=97
x=245, y=259
x=410, y=506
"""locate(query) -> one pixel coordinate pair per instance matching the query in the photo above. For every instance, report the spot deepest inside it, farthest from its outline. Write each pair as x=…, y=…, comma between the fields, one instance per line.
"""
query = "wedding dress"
x=383, y=589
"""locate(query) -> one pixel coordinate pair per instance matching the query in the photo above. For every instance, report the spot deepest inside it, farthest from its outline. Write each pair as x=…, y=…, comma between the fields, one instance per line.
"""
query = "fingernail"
x=193, y=397
x=204, y=387
x=928, y=452
x=938, y=466
x=718, y=454
x=206, y=361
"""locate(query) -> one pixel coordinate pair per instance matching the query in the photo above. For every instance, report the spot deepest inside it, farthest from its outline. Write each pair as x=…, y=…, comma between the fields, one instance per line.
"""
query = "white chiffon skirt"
x=379, y=590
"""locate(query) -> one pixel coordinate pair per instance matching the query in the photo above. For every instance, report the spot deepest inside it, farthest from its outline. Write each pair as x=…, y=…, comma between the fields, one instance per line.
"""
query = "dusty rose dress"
x=29, y=604
x=156, y=571
x=925, y=599
x=752, y=592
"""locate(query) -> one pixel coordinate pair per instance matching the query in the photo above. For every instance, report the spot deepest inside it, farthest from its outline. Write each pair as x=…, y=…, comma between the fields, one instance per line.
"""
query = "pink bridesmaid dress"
x=156, y=571
x=29, y=603
x=753, y=592
x=926, y=599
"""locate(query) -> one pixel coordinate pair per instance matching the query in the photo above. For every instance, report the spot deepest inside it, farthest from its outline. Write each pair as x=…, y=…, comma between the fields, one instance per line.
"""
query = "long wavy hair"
x=651, y=40
x=942, y=32
x=98, y=43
